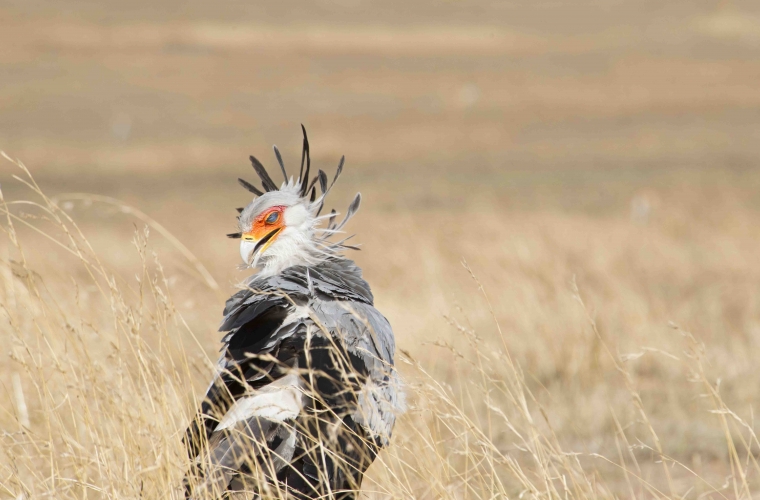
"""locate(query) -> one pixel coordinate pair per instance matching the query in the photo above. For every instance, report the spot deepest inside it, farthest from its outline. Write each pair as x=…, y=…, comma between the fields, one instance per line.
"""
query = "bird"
x=305, y=393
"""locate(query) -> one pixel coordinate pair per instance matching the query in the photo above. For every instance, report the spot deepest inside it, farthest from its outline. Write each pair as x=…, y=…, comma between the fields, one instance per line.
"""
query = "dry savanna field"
x=561, y=220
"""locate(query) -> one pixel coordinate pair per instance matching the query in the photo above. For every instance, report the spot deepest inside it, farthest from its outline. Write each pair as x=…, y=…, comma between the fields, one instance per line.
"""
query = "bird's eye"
x=272, y=218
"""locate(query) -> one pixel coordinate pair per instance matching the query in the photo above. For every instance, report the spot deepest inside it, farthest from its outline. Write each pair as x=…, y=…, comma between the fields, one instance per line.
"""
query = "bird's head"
x=281, y=226
x=277, y=228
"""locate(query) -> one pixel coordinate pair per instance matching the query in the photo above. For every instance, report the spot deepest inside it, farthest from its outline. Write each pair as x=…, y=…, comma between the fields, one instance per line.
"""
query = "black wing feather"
x=258, y=348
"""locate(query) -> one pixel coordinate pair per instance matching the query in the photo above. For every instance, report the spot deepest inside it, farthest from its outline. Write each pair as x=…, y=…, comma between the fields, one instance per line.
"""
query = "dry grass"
x=593, y=165
x=544, y=368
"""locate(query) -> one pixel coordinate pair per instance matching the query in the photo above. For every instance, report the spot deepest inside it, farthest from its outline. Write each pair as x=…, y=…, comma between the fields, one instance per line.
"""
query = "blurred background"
x=570, y=105
x=576, y=107
x=610, y=144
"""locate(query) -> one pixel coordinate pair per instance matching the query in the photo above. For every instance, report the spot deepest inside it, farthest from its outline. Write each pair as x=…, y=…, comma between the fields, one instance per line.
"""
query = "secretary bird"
x=305, y=393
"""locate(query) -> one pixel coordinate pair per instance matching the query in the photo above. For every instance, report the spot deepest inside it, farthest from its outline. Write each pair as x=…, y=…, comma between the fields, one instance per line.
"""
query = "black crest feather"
x=322, y=181
x=338, y=171
x=306, y=187
x=266, y=181
x=250, y=187
x=352, y=209
x=312, y=183
x=282, y=164
x=305, y=155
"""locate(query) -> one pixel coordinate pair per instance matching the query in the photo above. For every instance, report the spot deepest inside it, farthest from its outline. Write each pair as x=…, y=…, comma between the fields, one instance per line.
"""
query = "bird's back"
x=305, y=392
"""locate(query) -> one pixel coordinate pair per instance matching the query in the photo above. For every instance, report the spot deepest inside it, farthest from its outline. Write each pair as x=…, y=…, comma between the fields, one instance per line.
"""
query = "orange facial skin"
x=266, y=223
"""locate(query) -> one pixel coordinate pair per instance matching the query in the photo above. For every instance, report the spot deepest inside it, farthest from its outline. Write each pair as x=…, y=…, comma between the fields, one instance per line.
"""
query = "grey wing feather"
x=267, y=326
x=368, y=336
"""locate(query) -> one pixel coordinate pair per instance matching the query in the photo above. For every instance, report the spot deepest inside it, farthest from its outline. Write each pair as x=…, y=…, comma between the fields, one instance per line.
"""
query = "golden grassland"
x=560, y=221
x=545, y=355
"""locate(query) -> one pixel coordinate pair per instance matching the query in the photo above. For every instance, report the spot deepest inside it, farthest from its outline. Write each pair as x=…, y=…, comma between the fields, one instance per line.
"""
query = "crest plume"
x=304, y=186
x=279, y=160
x=304, y=179
x=250, y=187
x=307, y=189
x=266, y=181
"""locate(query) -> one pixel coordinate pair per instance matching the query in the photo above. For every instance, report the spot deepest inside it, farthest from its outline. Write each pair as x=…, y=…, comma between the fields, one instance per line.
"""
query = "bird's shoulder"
x=331, y=280
x=333, y=296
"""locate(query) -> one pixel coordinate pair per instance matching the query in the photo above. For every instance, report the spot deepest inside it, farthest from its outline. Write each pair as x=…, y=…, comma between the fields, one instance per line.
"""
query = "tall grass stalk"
x=101, y=375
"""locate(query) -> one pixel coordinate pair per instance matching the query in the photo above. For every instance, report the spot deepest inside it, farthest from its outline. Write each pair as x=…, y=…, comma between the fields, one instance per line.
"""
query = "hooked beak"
x=251, y=248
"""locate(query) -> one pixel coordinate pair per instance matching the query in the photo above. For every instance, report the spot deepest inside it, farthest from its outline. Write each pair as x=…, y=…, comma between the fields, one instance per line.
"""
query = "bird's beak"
x=251, y=247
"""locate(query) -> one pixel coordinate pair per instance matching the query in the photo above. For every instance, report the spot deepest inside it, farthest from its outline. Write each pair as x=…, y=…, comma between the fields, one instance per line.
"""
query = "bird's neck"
x=293, y=251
